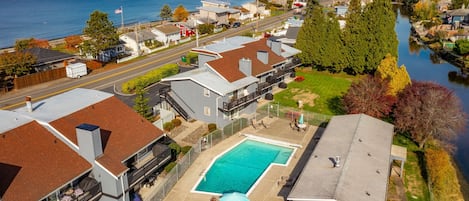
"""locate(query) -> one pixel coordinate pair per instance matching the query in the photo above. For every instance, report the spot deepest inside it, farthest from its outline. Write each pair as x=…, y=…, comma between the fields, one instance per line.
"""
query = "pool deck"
x=271, y=187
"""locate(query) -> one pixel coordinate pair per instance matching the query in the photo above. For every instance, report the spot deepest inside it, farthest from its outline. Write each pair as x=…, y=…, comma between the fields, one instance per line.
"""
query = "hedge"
x=169, y=167
x=150, y=77
x=442, y=175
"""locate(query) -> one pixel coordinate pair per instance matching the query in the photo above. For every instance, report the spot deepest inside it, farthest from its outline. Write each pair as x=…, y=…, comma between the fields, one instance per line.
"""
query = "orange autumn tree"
x=397, y=76
x=180, y=13
x=71, y=42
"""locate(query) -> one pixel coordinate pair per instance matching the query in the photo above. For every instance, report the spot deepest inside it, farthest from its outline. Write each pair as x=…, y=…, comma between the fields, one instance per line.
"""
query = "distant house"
x=457, y=17
x=135, y=41
x=245, y=14
x=48, y=59
x=341, y=10
x=187, y=28
x=36, y=165
x=123, y=148
x=351, y=161
x=256, y=8
x=167, y=33
x=233, y=75
x=218, y=11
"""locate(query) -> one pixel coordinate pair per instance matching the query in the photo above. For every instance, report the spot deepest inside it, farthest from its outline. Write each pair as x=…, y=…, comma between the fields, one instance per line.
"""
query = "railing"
x=92, y=194
x=164, y=94
x=158, y=161
x=235, y=103
x=294, y=63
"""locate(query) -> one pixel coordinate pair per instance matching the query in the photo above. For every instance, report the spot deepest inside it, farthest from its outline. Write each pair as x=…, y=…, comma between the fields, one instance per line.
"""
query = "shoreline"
x=453, y=60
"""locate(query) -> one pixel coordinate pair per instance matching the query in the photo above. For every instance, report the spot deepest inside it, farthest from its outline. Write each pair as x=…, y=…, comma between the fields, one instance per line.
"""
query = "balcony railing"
x=94, y=193
x=158, y=161
x=294, y=63
x=91, y=193
x=236, y=103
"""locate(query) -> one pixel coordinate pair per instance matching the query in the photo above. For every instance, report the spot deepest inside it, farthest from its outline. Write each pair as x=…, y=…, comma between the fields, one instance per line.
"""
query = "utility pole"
x=258, y=15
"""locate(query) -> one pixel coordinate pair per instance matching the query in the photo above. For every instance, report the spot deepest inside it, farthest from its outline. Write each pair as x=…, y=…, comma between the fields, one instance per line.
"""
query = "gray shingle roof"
x=45, y=56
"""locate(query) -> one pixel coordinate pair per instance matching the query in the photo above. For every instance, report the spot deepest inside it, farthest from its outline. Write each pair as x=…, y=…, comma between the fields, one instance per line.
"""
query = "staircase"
x=165, y=95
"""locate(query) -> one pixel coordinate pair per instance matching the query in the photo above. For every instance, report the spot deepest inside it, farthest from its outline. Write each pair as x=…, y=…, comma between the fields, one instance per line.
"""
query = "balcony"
x=294, y=63
x=148, y=164
x=88, y=190
x=236, y=103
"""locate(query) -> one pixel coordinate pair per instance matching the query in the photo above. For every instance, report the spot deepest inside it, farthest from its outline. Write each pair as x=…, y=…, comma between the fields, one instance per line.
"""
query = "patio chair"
x=263, y=124
x=253, y=123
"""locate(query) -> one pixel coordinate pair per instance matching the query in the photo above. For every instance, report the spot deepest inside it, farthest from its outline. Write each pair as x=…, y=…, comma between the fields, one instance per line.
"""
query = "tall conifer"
x=354, y=40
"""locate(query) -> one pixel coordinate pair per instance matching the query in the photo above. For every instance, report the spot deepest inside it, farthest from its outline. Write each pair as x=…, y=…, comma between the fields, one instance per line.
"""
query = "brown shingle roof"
x=34, y=163
x=228, y=66
x=123, y=131
x=168, y=29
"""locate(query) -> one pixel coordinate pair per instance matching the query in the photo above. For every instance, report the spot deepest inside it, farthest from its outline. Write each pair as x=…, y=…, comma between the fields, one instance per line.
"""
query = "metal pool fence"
x=164, y=186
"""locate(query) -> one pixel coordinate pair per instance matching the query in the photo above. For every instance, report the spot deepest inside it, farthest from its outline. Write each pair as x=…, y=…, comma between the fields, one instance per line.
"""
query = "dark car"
x=236, y=24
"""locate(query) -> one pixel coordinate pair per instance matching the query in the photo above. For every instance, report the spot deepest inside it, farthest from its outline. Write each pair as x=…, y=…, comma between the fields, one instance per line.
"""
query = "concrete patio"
x=273, y=185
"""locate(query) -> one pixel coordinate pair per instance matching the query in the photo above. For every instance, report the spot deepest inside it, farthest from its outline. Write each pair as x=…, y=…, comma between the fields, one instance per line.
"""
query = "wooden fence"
x=38, y=78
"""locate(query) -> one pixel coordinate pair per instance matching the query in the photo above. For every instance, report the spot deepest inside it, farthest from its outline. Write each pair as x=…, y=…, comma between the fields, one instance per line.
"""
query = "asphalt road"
x=105, y=81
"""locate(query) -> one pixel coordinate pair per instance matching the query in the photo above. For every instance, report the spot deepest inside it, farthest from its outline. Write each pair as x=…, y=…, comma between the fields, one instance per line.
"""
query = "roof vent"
x=337, y=161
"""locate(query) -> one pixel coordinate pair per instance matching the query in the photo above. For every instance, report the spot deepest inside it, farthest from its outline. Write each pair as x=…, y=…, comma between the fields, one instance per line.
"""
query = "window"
x=207, y=111
x=206, y=92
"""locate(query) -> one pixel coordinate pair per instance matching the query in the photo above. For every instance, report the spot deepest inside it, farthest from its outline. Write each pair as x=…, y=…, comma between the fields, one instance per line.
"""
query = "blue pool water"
x=238, y=169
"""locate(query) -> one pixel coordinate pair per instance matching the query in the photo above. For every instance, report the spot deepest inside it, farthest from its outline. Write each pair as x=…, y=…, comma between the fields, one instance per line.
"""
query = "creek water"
x=423, y=65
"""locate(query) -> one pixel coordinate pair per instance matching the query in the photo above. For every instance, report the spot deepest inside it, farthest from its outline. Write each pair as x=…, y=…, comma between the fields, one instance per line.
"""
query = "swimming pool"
x=241, y=167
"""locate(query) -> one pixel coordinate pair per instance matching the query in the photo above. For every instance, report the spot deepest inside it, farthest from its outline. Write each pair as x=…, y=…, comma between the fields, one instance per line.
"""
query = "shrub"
x=168, y=126
x=175, y=147
x=73, y=41
x=169, y=167
x=176, y=122
x=93, y=64
x=185, y=149
x=150, y=77
x=442, y=174
x=192, y=58
x=299, y=79
x=212, y=127
x=206, y=28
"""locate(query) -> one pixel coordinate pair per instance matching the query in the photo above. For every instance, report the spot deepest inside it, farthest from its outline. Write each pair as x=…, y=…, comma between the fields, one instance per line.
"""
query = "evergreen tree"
x=141, y=103
x=333, y=57
x=355, y=43
x=379, y=33
x=101, y=32
x=166, y=12
x=311, y=35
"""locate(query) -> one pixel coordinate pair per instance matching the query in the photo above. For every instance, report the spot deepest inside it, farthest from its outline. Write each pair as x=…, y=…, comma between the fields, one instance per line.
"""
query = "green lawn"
x=320, y=92
x=414, y=171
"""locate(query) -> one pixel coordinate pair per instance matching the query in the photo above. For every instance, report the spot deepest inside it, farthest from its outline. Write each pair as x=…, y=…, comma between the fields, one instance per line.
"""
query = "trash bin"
x=184, y=59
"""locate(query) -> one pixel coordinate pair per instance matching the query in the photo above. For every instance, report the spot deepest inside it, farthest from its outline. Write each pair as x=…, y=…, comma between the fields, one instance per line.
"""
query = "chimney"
x=269, y=43
x=29, y=105
x=276, y=48
x=263, y=56
x=337, y=161
x=245, y=66
x=89, y=141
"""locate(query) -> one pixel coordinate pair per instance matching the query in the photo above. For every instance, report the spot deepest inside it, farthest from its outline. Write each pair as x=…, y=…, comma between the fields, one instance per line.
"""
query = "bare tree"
x=369, y=96
x=427, y=110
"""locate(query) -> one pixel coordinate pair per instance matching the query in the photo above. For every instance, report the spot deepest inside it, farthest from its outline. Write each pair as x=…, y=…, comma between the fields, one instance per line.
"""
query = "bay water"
x=52, y=19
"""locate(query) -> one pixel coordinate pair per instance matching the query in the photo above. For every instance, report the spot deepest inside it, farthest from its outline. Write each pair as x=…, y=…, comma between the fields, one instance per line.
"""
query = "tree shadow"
x=335, y=105
x=421, y=160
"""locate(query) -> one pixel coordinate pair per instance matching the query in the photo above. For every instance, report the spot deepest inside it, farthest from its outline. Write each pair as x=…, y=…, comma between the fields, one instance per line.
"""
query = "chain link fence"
x=292, y=114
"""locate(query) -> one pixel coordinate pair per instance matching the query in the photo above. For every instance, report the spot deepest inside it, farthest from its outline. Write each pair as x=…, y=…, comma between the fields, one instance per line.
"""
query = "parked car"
x=236, y=24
